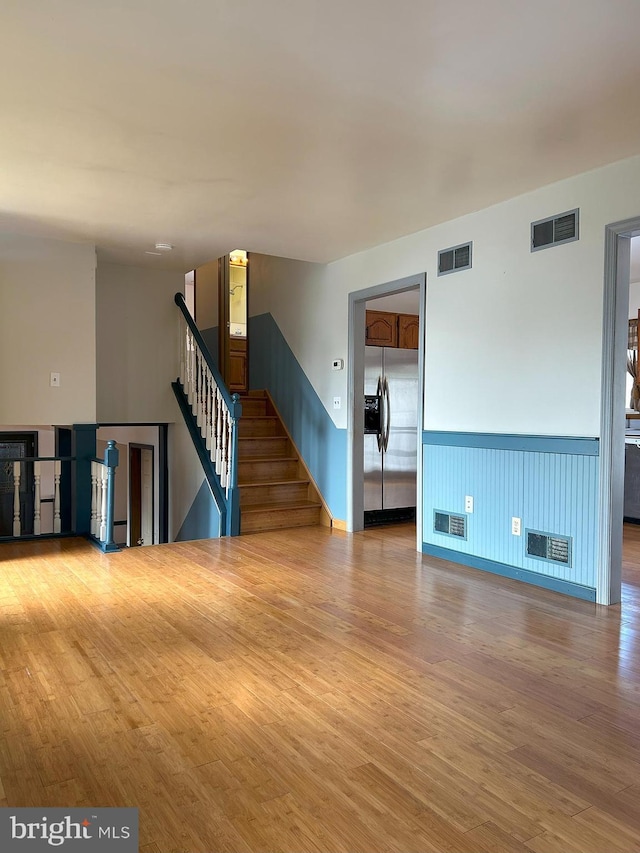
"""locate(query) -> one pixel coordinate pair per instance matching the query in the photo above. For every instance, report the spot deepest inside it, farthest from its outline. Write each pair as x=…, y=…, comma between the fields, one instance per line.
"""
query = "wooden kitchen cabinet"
x=381, y=329
x=388, y=329
x=408, y=331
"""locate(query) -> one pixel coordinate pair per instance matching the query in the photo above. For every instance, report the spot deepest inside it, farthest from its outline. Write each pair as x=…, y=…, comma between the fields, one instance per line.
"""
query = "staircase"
x=276, y=489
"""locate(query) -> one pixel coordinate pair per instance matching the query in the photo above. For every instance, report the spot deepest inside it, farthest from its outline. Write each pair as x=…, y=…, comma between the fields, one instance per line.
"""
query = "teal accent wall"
x=203, y=519
x=272, y=365
x=555, y=492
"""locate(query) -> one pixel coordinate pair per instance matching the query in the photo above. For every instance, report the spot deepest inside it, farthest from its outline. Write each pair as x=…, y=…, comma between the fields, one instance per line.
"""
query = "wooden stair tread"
x=281, y=505
x=262, y=438
x=262, y=483
x=251, y=459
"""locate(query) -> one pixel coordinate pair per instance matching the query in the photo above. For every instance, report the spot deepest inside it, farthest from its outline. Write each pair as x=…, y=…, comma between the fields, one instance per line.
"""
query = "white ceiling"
x=305, y=128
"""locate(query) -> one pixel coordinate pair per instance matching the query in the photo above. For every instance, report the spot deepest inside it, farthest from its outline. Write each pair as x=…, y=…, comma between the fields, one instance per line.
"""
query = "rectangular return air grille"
x=562, y=228
x=454, y=259
x=450, y=524
x=546, y=546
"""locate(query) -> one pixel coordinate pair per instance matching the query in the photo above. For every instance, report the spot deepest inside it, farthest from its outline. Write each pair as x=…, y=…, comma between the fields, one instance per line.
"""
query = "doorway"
x=615, y=338
x=356, y=378
x=141, y=490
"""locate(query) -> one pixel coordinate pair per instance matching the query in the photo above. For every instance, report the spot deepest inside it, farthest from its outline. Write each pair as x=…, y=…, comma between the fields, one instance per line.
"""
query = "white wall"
x=137, y=343
x=47, y=324
x=300, y=301
x=522, y=329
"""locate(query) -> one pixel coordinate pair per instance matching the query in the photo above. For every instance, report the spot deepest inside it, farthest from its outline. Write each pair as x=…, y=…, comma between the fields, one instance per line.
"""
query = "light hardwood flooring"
x=308, y=690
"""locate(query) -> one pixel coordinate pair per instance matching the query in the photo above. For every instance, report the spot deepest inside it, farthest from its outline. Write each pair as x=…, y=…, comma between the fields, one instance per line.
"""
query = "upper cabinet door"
x=382, y=329
x=408, y=331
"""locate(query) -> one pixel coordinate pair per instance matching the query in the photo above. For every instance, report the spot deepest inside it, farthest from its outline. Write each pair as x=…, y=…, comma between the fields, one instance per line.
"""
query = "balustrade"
x=214, y=413
x=36, y=488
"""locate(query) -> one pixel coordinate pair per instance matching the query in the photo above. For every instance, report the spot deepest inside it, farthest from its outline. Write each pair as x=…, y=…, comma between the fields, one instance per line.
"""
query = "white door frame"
x=612, y=408
x=355, y=385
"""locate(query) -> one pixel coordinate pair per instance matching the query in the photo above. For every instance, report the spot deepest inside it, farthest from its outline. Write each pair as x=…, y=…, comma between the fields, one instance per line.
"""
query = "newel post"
x=233, y=514
x=111, y=459
x=83, y=447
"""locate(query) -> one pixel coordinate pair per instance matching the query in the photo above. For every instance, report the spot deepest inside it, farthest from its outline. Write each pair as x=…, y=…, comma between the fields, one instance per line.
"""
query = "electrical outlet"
x=515, y=526
x=468, y=503
x=337, y=402
x=54, y=380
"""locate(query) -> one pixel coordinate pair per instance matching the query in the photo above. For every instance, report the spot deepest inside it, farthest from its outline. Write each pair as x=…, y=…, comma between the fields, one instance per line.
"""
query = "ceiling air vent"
x=547, y=546
x=454, y=259
x=554, y=230
x=450, y=524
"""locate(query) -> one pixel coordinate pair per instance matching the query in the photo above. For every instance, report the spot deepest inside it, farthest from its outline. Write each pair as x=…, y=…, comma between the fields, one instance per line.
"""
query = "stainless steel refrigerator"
x=391, y=434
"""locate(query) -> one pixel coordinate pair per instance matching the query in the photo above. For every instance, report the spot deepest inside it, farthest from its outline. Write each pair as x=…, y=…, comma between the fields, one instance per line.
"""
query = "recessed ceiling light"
x=163, y=247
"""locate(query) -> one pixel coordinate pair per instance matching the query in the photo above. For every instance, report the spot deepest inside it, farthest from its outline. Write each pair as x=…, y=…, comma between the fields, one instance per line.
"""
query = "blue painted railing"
x=211, y=414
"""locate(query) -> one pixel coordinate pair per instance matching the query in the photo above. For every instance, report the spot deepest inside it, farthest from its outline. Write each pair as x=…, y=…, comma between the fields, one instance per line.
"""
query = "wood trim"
x=339, y=524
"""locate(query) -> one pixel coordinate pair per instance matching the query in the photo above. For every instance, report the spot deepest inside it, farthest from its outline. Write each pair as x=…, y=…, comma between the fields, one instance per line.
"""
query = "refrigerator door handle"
x=387, y=414
x=380, y=393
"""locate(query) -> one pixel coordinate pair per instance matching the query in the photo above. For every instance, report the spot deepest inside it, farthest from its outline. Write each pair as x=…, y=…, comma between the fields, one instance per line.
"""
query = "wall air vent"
x=450, y=524
x=547, y=546
x=554, y=230
x=454, y=259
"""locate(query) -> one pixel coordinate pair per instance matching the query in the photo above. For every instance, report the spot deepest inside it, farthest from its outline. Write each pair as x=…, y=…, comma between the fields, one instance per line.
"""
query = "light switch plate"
x=54, y=380
x=337, y=402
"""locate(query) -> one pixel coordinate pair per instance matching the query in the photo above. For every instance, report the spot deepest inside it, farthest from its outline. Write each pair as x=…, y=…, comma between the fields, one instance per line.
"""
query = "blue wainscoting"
x=203, y=519
x=550, y=483
x=272, y=365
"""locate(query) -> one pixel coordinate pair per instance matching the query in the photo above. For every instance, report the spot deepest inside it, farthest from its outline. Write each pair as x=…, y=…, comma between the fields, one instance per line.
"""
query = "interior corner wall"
x=137, y=343
x=47, y=324
x=193, y=513
x=207, y=295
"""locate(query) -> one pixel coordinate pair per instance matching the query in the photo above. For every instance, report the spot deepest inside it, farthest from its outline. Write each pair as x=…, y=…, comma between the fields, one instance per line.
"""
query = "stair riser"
x=266, y=447
x=273, y=469
x=273, y=492
x=274, y=519
x=250, y=428
x=252, y=407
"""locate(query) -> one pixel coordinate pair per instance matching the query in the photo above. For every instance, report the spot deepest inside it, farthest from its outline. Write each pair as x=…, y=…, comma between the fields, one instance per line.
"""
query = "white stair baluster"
x=223, y=472
x=36, y=498
x=190, y=360
x=103, y=503
x=16, y=499
x=207, y=432
x=56, y=496
x=94, y=499
x=218, y=431
x=229, y=452
x=182, y=337
x=203, y=391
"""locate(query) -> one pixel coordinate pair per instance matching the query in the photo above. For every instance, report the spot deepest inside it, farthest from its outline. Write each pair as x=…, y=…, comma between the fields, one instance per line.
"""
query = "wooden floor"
x=313, y=691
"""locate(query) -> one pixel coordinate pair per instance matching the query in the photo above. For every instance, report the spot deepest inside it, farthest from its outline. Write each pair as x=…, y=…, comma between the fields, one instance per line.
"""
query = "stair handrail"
x=211, y=413
x=199, y=340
